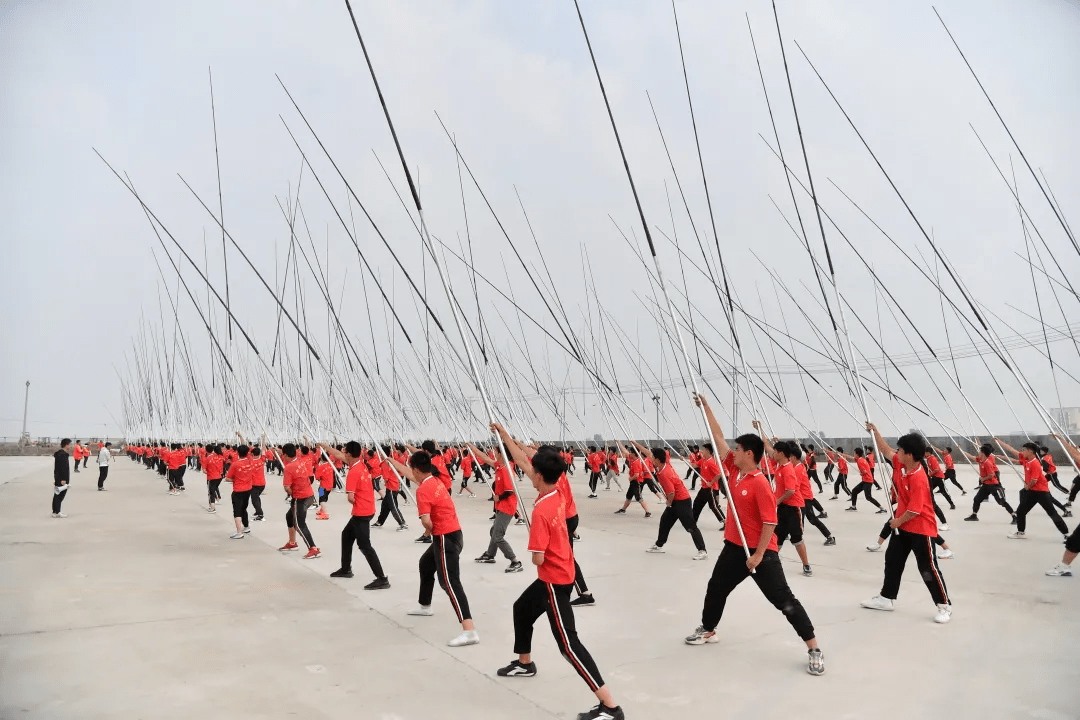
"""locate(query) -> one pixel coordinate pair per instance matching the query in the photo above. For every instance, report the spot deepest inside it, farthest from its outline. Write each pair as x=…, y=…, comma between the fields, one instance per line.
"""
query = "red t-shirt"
x=913, y=494
x=175, y=458
x=466, y=465
x=806, y=492
x=242, y=473
x=672, y=483
x=872, y=459
x=864, y=470
x=258, y=477
x=567, y=493
x=786, y=479
x=637, y=470
x=548, y=535
x=1050, y=466
x=213, y=465
x=433, y=499
x=935, y=467
x=988, y=471
x=438, y=463
x=841, y=465
x=596, y=461
x=297, y=479
x=503, y=484
x=1033, y=472
x=948, y=461
x=756, y=507
x=613, y=463
x=324, y=473
x=358, y=482
x=710, y=473
x=393, y=484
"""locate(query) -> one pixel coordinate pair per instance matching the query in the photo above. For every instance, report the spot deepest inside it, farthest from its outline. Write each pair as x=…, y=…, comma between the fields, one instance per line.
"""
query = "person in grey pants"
x=505, y=507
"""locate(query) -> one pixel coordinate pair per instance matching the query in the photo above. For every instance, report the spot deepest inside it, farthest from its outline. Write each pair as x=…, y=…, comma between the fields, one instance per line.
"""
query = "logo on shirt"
x=744, y=492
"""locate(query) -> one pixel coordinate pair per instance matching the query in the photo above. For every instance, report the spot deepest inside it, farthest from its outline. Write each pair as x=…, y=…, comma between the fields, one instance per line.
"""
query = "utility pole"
x=656, y=399
x=24, y=439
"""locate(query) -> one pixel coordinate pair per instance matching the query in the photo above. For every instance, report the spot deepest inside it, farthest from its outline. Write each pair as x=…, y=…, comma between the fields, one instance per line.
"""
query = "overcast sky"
x=513, y=82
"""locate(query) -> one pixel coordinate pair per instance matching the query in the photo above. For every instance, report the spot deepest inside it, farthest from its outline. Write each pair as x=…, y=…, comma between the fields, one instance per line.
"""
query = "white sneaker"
x=247, y=530
x=943, y=526
x=876, y=547
x=655, y=549
x=424, y=610
x=878, y=603
x=1061, y=570
x=237, y=536
x=60, y=515
x=211, y=509
x=1017, y=536
x=944, y=554
x=469, y=637
x=56, y=515
x=944, y=614
x=701, y=555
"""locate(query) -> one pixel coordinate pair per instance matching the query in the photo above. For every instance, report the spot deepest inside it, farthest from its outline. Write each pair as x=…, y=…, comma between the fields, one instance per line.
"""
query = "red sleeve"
x=539, y=535
x=766, y=505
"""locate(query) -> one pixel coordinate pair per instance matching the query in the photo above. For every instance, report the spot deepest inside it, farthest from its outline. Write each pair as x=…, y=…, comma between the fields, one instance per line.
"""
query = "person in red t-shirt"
x=595, y=462
x=1036, y=490
x=937, y=481
x=750, y=548
x=709, y=471
x=360, y=492
x=914, y=524
x=789, y=500
x=393, y=489
x=553, y=556
x=638, y=472
x=213, y=466
x=442, y=559
x=611, y=468
x=467, y=462
x=506, y=504
x=950, y=468
x=242, y=476
x=296, y=480
x=678, y=505
x=866, y=480
x=989, y=484
x=841, y=473
x=258, y=482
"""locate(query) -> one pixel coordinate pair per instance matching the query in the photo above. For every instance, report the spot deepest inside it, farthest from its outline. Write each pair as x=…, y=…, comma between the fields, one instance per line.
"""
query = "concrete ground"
x=139, y=605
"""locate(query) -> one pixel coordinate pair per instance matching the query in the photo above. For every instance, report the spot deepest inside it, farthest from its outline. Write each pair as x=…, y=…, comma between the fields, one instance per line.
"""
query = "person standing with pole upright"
x=753, y=507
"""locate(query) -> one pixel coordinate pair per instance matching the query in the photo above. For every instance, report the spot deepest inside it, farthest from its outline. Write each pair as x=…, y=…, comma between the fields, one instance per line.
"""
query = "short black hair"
x=986, y=449
x=289, y=449
x=709, y=447
x=753, y=444
x=242, y=451
x=429, y=447
x=421, y=460
x=859, y=452
x=913, y=444
x=549, y=465
x=354, y=448
x=948, y=449
x=65, y=442
x=1032, y=447
x=660, y=455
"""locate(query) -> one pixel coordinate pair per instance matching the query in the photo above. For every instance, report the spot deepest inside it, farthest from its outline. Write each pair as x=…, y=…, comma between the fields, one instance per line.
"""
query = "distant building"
x=1068, y=418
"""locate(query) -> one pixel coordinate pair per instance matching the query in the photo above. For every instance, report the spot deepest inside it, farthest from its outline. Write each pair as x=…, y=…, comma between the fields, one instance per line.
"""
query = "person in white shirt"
x=103, y=459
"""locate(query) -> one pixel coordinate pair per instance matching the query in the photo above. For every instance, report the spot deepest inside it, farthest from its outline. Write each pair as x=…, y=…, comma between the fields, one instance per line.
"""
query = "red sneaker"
x=322, y=516
x=313, y=552
x=289, y=546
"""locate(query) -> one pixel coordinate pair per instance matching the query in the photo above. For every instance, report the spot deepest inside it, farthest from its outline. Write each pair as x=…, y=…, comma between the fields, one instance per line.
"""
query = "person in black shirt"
x=61, y=476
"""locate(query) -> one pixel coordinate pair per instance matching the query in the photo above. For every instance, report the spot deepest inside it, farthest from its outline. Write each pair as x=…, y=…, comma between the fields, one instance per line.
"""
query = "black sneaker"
x=601, y=712
x=487, y=559
x=1013, y=522
x=648, y=514
x=583, y=600
x=972, y=518
x=377, y=584
x=830, y=540
x=424, y=539
x=517, y=669
x=823, y=514
x=881, y=511
x=1067, y=513
x=491, y=518
x=514, y=567
x=851, y=509
x=342, y=573
x=376, y=524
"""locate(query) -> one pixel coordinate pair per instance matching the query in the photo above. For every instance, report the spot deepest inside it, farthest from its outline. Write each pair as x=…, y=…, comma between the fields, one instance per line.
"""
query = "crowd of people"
x=767, y=486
